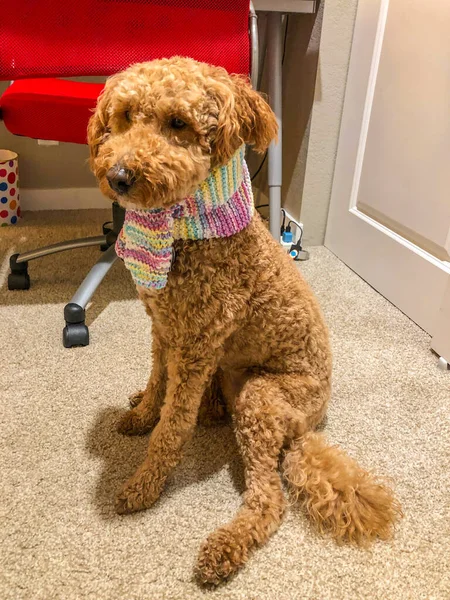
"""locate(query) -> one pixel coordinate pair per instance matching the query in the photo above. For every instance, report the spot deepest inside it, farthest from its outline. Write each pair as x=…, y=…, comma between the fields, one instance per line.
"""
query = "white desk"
x=274, y=56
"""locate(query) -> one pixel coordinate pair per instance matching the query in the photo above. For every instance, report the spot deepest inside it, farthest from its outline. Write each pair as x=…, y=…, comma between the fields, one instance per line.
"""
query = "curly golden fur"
x=236, y=326
x=132, y=127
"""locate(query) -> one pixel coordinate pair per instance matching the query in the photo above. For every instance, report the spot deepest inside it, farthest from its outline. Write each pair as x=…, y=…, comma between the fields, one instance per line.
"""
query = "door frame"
x=411, y=278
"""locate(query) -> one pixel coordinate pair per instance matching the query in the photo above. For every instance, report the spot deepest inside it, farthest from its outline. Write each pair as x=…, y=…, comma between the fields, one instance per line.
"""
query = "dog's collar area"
x=221, y=206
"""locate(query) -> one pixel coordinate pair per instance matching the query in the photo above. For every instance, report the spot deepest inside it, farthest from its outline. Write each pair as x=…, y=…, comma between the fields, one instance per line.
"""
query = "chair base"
x=18, y=279
x=75, y=335
x=76, y=332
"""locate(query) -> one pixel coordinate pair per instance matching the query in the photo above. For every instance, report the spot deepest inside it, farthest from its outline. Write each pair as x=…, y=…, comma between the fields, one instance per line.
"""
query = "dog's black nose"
x=120, y=179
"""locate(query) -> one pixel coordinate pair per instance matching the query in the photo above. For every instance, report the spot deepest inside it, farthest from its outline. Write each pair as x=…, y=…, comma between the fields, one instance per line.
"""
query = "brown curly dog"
x=235, y=326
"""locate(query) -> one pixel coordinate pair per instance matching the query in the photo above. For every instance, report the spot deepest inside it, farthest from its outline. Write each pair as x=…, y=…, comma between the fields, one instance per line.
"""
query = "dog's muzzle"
x=120, y=180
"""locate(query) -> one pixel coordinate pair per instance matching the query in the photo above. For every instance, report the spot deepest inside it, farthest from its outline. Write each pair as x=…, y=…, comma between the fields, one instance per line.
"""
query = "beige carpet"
x=62, y=461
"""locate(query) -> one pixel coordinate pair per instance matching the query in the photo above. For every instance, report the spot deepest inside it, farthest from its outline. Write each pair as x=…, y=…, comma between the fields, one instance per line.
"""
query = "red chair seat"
x=49, y=109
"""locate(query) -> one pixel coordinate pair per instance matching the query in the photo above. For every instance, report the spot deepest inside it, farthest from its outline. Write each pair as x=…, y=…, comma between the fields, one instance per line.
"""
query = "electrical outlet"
x=296, y=227
x=290, y=240
x=286, y=245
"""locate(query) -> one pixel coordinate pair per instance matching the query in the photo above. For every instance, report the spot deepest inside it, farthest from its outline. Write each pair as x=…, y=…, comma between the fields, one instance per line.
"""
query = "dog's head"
x=159, y=127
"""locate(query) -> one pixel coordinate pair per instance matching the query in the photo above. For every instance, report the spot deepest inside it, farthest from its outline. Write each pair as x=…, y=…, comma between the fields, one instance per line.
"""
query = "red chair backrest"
x=64, y=38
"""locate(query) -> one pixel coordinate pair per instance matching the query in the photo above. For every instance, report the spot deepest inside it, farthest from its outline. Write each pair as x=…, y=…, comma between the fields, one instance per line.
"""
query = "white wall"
x=335, y=46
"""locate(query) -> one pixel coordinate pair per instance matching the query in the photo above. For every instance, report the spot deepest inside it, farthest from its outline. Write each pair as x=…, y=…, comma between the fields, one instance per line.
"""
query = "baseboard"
x=62, y=199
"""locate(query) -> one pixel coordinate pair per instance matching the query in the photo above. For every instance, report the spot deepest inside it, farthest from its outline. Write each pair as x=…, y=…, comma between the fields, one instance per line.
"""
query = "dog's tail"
x=339, y=496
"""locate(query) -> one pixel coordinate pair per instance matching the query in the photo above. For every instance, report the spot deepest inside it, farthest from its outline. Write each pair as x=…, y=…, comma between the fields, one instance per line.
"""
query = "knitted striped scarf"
x=221, y=206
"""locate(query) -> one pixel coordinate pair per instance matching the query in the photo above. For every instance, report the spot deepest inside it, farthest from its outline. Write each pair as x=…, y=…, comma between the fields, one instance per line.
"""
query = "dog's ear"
x=244, y=117
x=97, y=130
x=257, y=120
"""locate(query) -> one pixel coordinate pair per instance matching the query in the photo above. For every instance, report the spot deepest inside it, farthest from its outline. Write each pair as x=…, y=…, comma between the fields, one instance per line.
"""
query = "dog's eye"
x=177, y=123
x=127, y=115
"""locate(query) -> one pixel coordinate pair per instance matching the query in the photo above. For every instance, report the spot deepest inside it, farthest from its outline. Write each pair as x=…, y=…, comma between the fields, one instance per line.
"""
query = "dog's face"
x=159, y=127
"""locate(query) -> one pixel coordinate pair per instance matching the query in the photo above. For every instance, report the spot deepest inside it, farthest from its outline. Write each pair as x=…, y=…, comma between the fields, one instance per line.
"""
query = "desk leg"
x=274, y=64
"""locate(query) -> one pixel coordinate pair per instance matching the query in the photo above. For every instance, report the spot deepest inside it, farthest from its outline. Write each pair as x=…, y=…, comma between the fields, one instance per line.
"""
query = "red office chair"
x=41, y=40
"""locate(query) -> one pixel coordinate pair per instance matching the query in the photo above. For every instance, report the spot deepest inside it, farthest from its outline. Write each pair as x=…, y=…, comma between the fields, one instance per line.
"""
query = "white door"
x=389, y=215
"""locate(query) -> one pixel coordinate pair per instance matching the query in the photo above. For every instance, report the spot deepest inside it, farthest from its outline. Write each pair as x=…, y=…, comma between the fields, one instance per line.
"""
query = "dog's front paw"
x=136, y=398
x=220, y=557
x=138, y=493
x=129, y=501
x=134, y=423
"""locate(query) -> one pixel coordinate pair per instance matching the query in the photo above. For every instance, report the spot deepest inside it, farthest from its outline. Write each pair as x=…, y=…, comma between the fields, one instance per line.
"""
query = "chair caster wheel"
x=18, y=281
x=75, y=334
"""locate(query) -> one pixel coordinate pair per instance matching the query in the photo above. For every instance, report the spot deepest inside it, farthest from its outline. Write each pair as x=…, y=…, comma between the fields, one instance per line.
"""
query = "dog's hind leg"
x=260, y=430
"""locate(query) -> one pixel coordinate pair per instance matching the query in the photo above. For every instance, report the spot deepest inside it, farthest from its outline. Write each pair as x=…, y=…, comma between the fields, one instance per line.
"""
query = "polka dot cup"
x=9, y=188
